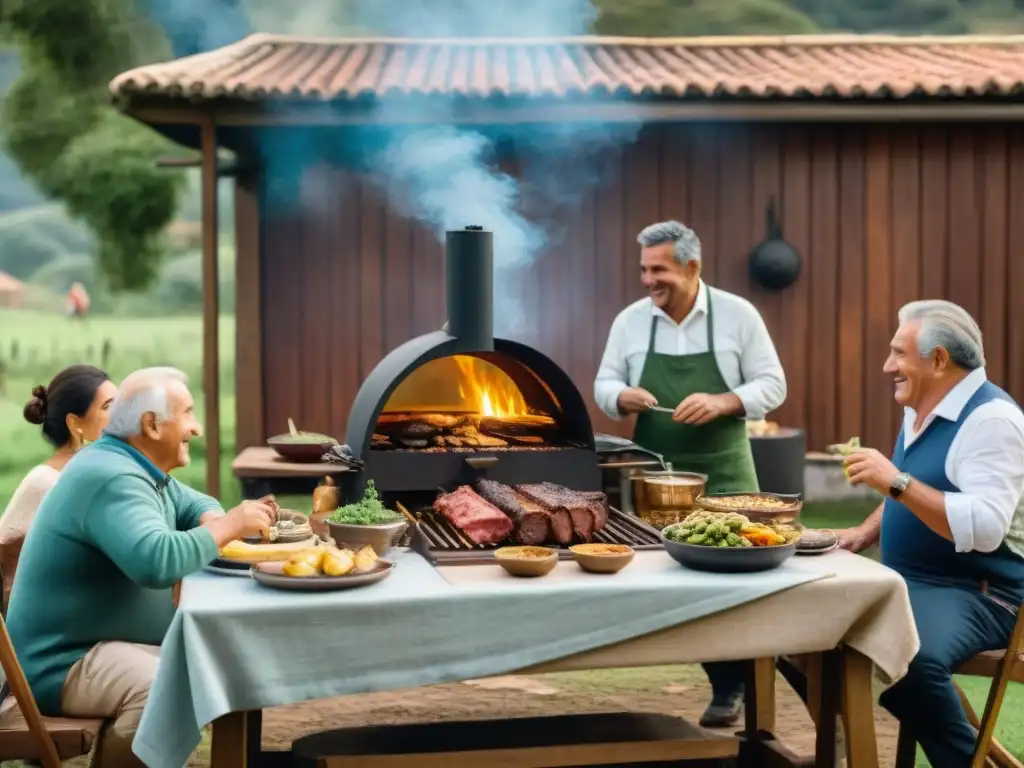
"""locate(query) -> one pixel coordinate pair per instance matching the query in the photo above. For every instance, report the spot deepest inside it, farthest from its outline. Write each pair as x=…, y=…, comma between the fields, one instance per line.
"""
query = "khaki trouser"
x=112, y=682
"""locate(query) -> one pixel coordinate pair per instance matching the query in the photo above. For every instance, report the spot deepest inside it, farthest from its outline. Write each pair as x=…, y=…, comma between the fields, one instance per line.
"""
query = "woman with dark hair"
x=72, y=412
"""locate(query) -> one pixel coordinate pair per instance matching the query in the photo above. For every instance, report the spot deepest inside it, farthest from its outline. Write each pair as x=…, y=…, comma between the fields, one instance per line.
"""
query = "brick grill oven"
x=449, y=407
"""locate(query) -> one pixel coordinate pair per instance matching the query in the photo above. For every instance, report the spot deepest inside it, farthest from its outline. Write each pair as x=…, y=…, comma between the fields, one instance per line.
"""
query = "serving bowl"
x=697, y=557
x=526, y=561
x=304, y=447
x=602, y=558
x=381, y=536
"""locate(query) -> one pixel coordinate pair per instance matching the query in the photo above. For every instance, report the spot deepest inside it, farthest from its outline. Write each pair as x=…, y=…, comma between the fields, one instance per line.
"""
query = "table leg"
x=230, y=741
x=824, y=685
x=858, y=710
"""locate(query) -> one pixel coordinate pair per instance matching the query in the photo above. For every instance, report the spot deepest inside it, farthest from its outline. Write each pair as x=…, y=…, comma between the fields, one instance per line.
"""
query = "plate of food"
x=323, y=569
x=728, y=542
x=759, y=506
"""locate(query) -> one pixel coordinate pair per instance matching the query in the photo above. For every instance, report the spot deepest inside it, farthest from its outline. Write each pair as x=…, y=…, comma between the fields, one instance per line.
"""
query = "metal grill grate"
x=443, y=544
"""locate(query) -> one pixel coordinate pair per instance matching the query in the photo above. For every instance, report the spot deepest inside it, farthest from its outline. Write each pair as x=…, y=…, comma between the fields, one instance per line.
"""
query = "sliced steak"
x=556, y=498
x=598, y=502
x=532, y=521
x=480, y=520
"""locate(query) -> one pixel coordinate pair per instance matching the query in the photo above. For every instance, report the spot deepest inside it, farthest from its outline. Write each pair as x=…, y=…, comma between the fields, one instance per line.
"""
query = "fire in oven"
x=485, y=439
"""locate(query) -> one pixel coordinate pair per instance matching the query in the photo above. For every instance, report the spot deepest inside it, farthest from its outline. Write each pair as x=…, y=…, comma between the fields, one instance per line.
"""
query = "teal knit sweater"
x=106, y=546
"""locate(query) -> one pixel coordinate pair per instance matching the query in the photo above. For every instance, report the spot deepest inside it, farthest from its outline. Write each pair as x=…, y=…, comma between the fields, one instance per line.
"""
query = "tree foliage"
x=59, y=128
x=685, y=18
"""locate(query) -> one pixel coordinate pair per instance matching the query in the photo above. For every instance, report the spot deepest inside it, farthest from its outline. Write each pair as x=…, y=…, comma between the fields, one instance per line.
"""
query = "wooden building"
x=897, y=165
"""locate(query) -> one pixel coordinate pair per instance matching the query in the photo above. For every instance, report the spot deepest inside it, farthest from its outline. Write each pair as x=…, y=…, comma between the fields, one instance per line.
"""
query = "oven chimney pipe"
x=469, y=270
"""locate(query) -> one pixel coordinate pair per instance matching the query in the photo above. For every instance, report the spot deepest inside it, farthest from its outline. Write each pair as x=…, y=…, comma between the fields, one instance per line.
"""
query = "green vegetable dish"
x=368, y=511
x=705, y=529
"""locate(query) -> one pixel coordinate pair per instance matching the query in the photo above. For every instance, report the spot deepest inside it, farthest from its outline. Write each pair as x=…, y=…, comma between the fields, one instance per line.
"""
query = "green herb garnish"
x=368, y=511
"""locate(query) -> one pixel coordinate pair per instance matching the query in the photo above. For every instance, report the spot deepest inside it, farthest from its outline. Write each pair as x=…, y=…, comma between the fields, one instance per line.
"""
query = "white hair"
x=143, y=391
x=947, y=325
x=686, y=244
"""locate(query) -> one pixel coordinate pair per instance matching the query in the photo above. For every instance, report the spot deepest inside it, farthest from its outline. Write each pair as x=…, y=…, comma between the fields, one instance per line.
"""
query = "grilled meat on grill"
x=480, y=520
x=587, y=512
x=533, y=522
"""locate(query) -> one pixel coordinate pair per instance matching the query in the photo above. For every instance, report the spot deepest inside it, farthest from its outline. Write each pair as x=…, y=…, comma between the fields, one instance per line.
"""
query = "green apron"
x=719, y=449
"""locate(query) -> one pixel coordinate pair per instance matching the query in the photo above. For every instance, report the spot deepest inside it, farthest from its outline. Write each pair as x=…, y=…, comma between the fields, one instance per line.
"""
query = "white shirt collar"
x=950, y=407
x=700, y=306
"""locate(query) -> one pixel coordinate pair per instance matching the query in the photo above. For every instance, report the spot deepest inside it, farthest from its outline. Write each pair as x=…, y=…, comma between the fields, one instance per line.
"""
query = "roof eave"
x=158, y=110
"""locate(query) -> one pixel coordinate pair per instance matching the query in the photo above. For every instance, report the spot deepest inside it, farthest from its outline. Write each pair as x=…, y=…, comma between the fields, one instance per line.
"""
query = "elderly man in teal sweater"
x=92, y=596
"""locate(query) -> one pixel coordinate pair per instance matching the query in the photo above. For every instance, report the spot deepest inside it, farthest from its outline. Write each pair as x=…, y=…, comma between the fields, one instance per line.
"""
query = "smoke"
x=443, y=174
x=445, y=181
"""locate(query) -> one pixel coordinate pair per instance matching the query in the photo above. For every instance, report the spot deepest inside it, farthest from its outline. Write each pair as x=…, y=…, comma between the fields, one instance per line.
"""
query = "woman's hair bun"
x=35, y=409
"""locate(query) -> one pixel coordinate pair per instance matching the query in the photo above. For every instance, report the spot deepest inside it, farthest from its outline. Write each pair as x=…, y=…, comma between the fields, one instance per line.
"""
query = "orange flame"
x=489, y=388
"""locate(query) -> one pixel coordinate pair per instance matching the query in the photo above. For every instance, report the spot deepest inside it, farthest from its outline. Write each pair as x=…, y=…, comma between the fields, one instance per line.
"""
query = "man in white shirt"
x=951, y=523
x=707, y=355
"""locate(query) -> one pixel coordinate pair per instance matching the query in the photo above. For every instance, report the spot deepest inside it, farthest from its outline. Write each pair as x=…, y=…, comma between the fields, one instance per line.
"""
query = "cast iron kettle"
x=774, y=263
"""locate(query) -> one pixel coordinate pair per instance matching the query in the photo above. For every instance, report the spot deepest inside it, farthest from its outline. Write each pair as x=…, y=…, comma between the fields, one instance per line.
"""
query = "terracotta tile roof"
x=262, y=67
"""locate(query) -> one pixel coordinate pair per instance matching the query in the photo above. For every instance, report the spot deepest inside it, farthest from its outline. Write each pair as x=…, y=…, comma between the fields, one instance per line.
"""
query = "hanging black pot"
x=774, y=263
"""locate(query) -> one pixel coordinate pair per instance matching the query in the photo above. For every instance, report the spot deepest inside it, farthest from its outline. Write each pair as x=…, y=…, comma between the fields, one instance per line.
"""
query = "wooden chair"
x=24, y=733
x=1003, y=667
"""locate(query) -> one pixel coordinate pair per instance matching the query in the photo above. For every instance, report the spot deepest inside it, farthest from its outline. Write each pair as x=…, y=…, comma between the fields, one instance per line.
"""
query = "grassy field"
x=34, y=346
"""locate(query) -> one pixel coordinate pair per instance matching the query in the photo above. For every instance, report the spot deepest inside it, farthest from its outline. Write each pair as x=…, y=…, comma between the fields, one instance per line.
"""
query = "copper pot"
x=661, y=498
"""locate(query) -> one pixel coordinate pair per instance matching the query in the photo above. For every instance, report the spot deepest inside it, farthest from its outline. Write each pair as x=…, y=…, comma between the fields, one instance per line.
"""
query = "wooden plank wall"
x=883, y=214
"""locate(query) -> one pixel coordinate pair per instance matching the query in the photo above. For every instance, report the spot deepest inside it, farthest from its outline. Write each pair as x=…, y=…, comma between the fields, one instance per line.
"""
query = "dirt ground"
x=671, y=690
x=681, y=690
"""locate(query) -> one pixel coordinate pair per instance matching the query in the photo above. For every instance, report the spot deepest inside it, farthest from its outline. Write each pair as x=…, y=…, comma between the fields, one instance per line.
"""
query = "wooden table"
x=261, y=471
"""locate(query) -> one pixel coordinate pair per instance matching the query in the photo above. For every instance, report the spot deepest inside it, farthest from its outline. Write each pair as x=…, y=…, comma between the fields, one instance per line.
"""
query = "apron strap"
x=711, y=324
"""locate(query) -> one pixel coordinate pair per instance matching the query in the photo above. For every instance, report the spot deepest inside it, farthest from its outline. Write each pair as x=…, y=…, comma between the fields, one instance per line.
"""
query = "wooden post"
x=211, y=307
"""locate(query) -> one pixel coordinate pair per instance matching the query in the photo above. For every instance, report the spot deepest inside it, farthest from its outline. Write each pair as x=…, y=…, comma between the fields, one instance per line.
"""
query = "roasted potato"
x=299, y=568
x=338, y=562
x=313, y=556
x=365, y=560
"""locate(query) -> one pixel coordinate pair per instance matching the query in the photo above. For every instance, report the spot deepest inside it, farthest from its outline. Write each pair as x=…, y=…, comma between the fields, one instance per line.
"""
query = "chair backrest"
x=26, y=701
x=15, y=680
x=10, y=551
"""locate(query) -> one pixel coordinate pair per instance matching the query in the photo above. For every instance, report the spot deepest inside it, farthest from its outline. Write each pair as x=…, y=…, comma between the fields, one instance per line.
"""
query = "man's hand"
x=855, y=539
x=636, y=400
x=253, y=518
x=271, y=502
x=866, y=466
x=699, y=408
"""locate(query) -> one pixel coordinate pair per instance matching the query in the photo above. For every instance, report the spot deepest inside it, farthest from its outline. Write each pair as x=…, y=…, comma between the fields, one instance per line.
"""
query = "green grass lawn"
x=34, y=346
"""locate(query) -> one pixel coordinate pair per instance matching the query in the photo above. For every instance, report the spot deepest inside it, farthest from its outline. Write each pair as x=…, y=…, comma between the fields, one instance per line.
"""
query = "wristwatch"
x=899, y=485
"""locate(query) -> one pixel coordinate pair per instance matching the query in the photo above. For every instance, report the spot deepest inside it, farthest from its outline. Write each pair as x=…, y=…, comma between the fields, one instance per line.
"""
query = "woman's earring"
x=77, y=440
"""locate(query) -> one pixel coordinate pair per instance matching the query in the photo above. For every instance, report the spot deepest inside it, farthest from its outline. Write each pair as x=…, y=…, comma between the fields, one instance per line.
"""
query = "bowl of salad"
x=367, y=522
x=728, y=542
